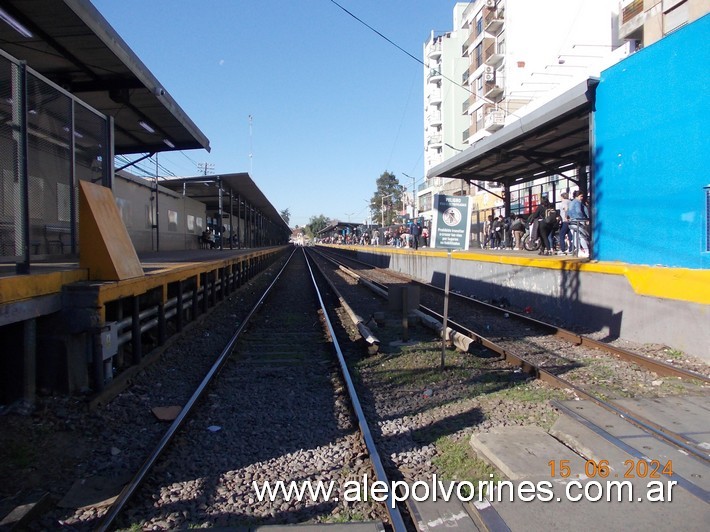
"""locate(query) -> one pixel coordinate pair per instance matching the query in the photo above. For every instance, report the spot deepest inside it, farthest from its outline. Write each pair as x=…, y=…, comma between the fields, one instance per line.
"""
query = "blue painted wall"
x=652, y=154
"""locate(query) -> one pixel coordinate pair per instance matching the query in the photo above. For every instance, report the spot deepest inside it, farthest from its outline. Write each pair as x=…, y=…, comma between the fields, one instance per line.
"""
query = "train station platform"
x=48, y=276
x=646, y=304
x=70, y=332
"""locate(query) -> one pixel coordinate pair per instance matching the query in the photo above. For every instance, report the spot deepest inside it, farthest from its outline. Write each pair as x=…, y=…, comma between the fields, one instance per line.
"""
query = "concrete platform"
x=688, y=417
x=441, y=515
x=523, y=452
x=550, y=504
x=639, y=444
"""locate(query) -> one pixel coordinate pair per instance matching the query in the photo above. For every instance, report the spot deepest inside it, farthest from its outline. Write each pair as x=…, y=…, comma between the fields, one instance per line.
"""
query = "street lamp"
x=414, y=195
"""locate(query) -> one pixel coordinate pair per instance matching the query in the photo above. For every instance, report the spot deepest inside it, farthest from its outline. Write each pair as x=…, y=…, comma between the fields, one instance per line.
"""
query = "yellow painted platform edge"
x=20, y=287
x=682, y=284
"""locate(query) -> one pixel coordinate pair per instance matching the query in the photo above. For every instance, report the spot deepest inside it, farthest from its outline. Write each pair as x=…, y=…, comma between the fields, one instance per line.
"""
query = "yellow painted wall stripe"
x=682, y=284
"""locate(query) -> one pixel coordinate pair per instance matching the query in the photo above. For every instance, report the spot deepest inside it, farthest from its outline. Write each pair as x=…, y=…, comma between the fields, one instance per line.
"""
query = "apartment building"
x=443, y=93
x=519, y=51
x=647, y=21
x=511, y=54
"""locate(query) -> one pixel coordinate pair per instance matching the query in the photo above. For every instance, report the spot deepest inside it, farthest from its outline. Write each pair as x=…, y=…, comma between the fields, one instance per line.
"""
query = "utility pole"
x=156, y=222
x=205, y=168
x=414, y=195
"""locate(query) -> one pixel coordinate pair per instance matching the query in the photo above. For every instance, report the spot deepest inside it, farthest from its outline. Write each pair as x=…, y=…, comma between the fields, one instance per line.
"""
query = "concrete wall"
x=177, y=230
x=584, y=301
x=651, y=159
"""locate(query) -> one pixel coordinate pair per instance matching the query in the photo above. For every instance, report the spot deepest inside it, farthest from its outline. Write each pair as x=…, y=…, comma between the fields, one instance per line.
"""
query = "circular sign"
x=452, y=216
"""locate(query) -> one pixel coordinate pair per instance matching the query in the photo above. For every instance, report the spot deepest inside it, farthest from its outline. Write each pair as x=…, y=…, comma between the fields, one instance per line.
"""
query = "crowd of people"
x=412, y=236
x=561, y=228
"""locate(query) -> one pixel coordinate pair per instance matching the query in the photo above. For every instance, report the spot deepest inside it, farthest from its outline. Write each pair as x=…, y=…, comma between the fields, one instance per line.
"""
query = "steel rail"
x=538, y=372
x=129, y=489
x=689, y=486
x=394, y=513
x=657, y=366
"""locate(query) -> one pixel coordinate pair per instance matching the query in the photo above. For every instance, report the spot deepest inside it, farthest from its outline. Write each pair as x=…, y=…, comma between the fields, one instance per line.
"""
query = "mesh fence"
x=11, y=236
x=66, y=142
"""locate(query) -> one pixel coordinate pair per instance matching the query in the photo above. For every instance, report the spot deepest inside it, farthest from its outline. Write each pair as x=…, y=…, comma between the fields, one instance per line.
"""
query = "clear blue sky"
x=333, y=104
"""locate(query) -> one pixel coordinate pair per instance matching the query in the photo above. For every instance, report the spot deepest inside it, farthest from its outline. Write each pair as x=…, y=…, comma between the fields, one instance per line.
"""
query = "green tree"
x=286, y=215
x=315, y=224
x=386, y=199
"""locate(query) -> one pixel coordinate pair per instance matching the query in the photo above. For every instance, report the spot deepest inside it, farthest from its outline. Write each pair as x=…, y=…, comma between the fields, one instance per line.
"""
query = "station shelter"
x=544, y=152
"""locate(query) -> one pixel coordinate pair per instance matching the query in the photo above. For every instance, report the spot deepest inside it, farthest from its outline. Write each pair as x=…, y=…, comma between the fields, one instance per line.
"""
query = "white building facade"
x=513, y=55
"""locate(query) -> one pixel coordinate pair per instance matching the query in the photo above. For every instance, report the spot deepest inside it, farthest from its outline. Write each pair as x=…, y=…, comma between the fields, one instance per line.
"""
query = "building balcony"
x=434, y=97
x=493, y=22
x=434, y=75
x=464, y=48
x=434, y=141
x=434, y=51
x=492, y=54
x=434, y=119
x=469, y=13
x=630, y=9
x=631, y=19
x=492, y=90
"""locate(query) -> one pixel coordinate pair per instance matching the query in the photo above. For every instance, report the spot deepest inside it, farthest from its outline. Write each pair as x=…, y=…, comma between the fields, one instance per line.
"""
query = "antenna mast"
x=251, y=155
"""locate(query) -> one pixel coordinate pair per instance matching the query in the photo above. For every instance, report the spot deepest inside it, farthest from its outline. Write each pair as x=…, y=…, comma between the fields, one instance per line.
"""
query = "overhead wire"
x=409, y=54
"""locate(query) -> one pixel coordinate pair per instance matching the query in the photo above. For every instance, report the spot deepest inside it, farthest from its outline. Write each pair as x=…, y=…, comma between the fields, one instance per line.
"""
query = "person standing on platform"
x=497, y=233
x=546, y=228
x=563, y=208
x=536, y=217
x=415, y=230
x=578, y=223
x=517, y=227
x=487, y=228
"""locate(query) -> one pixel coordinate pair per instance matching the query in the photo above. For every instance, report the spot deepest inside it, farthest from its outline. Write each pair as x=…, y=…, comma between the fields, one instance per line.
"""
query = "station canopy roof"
x=549, y=140
x=205, y=189
x=71, y=44
x=336, y=225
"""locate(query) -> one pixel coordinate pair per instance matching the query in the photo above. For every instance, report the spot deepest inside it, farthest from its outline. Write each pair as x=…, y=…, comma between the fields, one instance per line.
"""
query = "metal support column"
x=136, y=331
x=179, y=306
x=29, y=363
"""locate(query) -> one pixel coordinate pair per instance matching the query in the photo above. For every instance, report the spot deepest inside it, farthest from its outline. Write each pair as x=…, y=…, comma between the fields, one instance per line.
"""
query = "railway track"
x=414, y=410
x=276, y=406
x=554, y=355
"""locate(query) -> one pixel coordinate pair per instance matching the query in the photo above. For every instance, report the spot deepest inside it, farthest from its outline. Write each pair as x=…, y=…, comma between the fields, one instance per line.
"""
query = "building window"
x=172, y=220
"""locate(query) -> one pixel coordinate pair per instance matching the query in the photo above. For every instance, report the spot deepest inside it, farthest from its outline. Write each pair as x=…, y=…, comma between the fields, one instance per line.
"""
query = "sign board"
x=452, y=222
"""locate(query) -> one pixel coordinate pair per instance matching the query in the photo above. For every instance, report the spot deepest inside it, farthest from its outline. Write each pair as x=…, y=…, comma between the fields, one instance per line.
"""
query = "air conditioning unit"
x=490, y=3
x=494, y=120
x=489, y=74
